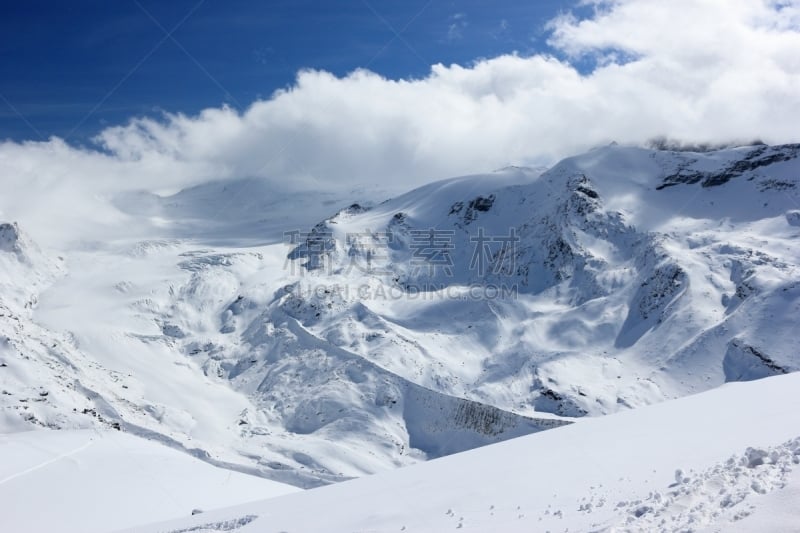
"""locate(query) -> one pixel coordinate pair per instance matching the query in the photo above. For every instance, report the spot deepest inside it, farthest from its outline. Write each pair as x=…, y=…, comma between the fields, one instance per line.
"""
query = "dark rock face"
x=9, y=237
x=440, y=425
x=588, y=192
x=743, y=362
x=355, y=209
x=655, y=293
x=759, y=157
x=314, y=247
x=550, y=401
x=481, y=204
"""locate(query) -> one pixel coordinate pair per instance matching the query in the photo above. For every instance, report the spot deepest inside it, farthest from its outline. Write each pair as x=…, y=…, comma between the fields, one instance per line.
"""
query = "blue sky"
x=72, y=68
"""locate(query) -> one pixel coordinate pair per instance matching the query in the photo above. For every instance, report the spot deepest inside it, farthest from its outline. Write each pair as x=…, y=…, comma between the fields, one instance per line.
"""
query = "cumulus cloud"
x=699, y=70
x=695, y=70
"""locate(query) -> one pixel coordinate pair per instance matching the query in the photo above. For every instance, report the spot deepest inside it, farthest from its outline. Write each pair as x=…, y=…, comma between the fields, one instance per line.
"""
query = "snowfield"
x=312, y=338
x=707, y=462
x=93, y=481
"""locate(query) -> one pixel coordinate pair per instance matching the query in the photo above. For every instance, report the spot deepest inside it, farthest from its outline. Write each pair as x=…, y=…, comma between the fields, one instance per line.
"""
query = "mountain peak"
x=9, y=237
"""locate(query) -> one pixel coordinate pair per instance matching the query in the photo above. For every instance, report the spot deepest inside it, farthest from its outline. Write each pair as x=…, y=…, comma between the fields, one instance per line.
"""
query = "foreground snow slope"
x=707, y=461
x=92, y=481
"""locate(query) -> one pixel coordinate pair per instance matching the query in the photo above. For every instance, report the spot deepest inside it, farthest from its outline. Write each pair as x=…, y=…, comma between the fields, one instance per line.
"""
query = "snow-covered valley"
x=308, y=339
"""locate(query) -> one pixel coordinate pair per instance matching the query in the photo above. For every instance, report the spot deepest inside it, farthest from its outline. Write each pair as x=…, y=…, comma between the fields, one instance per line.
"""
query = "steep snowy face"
x=456, y=315
x=618, y=278
x=24, y=271
x=19, y=255
x=31, y=361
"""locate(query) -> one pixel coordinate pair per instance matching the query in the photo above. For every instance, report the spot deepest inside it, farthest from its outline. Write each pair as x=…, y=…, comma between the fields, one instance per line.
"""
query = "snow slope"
x=704, y=462
x=99, y=481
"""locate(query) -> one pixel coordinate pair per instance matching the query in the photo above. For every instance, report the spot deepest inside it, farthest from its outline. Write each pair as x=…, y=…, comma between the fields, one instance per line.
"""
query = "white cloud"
x=697, y=70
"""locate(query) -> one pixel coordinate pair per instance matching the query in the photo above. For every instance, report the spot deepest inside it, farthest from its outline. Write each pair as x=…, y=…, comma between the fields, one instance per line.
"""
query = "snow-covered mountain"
x=460, y=314
x=636, y=276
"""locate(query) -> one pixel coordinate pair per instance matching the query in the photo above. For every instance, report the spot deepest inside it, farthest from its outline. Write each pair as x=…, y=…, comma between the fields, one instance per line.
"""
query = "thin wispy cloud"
x=457, y=24
x=501, y=31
